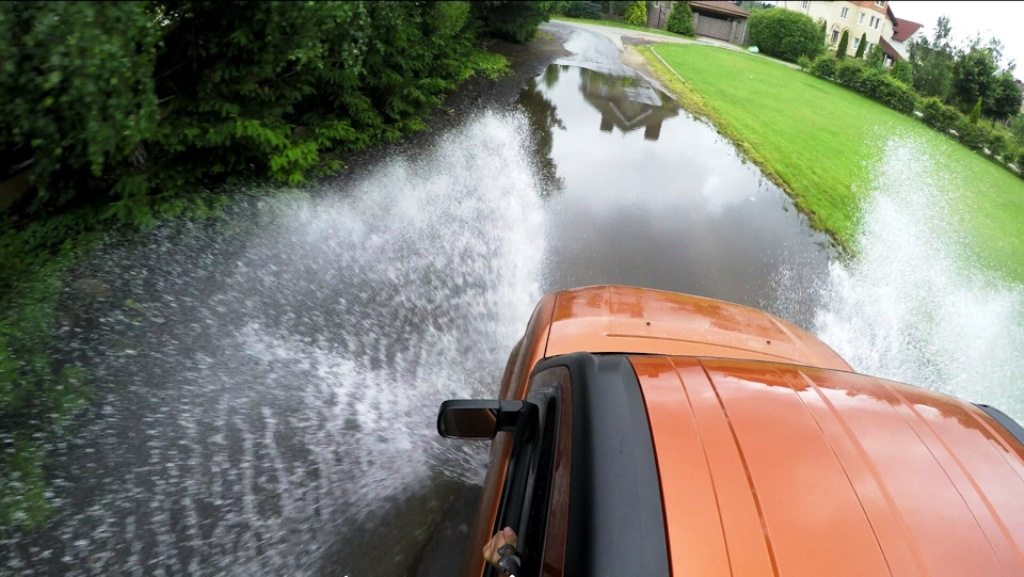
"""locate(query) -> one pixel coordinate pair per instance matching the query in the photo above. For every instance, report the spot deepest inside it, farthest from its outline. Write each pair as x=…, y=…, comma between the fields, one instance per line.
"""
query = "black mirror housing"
x=478, y=419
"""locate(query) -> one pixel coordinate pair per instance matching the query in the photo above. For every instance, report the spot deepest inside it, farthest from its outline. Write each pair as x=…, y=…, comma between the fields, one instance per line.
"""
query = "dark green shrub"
x=892, y=92
x=850, y=73
x=997, y=144
x=583, y=9
x=680, y=20
x=844, y=43
x=938, y=115
x=804, y=63
x=862, y=46
x=970, y=134
x=511, y=20
x=636, y=14
x=824, y=66
x=785, y=34
x=902, y=70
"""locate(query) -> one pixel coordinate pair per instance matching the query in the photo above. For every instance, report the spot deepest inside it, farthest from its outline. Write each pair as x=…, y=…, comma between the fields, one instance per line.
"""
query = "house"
x=896, y=48
x=875, y=19
x=722, y=20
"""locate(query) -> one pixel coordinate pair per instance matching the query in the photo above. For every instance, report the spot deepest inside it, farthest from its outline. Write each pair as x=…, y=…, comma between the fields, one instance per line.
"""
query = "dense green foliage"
x=680, y=19
x=79, y=106
x=902, y=71
x=862, y=45
x=636, y=14
x=785, y=34
x=973, y=74
x=140, y=98
x=582, y=9
x=844, y=43
x=512, y=20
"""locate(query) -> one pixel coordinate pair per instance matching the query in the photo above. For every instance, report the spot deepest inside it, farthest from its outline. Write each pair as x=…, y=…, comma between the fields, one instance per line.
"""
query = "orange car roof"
x=617, y=319
x=773, y=469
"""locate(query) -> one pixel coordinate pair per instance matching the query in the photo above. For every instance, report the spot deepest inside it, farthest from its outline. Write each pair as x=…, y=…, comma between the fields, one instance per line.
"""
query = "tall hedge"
x=862, y=46
x=680, y=20
x=785, y=34
x=844, y=43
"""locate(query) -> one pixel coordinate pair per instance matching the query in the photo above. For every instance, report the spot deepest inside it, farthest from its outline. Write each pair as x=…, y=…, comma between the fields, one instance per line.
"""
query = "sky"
x=1000, y=20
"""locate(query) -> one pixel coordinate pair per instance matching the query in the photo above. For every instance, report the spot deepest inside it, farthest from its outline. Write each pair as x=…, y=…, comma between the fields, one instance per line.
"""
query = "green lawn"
x=824, y=144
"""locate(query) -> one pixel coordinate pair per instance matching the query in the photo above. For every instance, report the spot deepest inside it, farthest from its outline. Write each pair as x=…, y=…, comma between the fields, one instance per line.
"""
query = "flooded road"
x=266, y=387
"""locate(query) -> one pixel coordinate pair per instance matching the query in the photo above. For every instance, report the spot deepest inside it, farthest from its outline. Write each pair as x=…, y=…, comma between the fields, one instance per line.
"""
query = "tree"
x=680, y=20
x=973, y=75
x=636, y=14
x=876, y=56
x=862, y=46
x=844, y=42
x=785, y=34
x=932, y=62
x=1003, y=99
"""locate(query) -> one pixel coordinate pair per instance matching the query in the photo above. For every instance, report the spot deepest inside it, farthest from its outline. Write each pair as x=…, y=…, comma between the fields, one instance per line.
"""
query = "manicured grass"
x=617, y=24
x=823, y=144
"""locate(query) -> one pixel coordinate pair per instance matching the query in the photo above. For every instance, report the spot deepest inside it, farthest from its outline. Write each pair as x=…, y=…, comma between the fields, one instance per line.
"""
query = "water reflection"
x=667, y=203
x=626, y=103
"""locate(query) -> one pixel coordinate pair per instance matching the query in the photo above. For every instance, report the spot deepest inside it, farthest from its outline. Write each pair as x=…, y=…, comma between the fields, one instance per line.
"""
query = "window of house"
x=844, y=12
x=835, y=36
x=880, y=3
x=856, y=42
x=877, y=22
x=860, y=18
x=805, y=5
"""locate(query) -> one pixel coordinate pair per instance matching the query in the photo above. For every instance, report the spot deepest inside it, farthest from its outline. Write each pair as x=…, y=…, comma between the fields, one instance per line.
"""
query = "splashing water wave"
x=912, y=306
x=267, y=384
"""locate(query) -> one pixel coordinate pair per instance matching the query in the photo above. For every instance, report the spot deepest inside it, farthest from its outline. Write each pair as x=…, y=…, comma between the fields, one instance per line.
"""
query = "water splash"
x=267, y=386
x=913, y=307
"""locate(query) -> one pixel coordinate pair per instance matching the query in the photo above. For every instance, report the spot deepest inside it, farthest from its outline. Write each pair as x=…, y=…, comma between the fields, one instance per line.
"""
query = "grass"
x=617, y=24
x=820, y=142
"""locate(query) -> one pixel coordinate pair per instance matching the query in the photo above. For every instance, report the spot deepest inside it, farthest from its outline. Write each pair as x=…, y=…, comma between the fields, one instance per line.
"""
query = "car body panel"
x=617, y=319
x=821, y=472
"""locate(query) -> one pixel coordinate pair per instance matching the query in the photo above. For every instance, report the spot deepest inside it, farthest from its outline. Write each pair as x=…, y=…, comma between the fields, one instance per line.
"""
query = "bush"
x=824, y=66
x=938, y=115
x=970, y=134
x=511, y=20
x=582, y=9
x=997, y=144
x=976, y=111
x=636, y=14
x=889, y=91
x=903, y=71
x=850, y=73
x=680, y=20
x=804, y=63
x=785, y=34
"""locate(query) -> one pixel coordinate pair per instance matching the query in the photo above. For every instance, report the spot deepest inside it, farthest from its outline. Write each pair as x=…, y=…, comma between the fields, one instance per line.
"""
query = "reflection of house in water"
x=626, y=103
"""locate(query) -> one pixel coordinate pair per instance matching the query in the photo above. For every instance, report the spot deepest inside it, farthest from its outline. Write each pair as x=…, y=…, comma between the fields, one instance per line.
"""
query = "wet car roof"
x=606, y=319
x=768, y=468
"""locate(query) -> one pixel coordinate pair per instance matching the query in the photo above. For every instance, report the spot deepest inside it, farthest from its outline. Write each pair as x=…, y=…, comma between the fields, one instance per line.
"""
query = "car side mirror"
x=478, y=419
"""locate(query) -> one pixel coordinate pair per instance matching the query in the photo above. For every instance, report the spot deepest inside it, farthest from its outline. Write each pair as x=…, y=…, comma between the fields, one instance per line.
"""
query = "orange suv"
x=641, y=432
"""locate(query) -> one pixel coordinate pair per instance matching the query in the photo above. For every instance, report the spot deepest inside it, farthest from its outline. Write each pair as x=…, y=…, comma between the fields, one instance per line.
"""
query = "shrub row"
x=785, y=34
x=879, y=85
